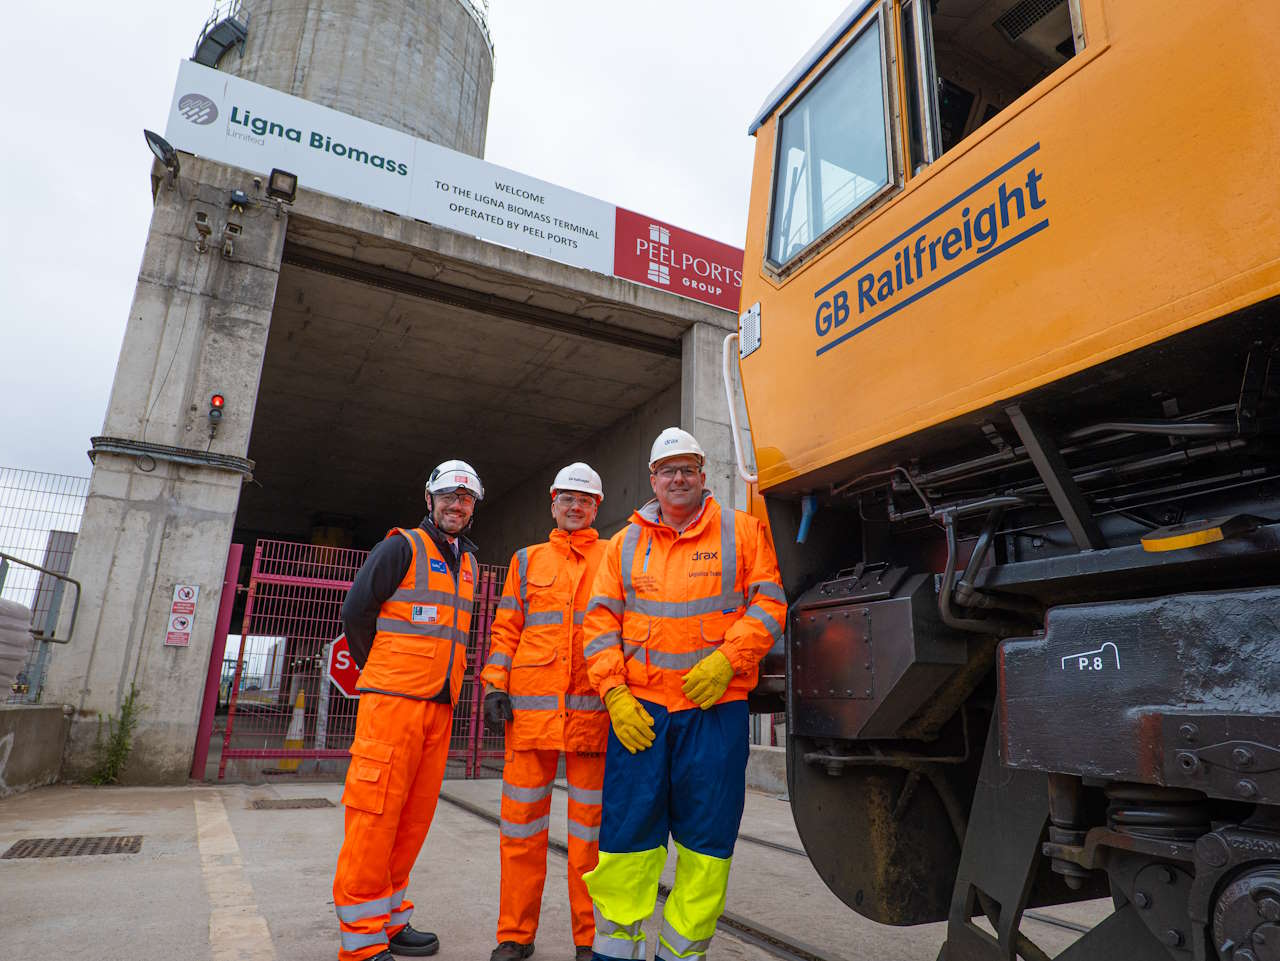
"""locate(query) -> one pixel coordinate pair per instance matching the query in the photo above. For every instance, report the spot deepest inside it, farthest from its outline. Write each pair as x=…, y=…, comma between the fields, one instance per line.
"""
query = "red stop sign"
x=342, y=669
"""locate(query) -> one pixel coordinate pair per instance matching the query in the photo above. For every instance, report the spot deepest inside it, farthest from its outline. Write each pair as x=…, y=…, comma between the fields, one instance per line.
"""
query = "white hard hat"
x=579, y=477
x=673, y=441
x=455, y=475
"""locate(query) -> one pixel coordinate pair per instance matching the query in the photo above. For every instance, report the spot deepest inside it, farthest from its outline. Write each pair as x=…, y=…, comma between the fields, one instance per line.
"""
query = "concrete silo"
x=421, y=66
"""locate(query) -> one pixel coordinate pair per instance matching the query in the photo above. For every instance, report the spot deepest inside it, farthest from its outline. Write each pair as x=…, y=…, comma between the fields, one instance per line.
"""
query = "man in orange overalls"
x=536, y=681
x=406, y=616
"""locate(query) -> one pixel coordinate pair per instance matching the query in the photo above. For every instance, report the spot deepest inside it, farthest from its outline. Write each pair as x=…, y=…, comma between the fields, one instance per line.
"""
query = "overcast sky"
x=644, y=105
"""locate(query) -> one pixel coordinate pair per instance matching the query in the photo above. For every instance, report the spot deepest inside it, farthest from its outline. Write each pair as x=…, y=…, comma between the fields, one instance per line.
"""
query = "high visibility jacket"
x=664, y=600
x=421, y=639
x=535, y=653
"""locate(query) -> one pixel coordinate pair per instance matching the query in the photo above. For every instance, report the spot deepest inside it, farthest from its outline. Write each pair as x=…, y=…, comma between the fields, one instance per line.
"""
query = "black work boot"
x=582, y=952
x=414, y=944
x=511, y=951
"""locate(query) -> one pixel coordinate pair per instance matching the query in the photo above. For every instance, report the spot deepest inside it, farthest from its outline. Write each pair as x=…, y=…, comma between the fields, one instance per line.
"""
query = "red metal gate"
x=281, y=706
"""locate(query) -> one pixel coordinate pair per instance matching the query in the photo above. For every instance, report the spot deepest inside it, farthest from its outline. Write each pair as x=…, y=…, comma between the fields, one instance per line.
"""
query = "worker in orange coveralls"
x=407, y=617
x=536, y=681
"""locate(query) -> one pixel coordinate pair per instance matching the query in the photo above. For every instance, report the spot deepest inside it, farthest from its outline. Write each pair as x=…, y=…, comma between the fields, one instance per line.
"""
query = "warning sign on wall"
x=182, y=615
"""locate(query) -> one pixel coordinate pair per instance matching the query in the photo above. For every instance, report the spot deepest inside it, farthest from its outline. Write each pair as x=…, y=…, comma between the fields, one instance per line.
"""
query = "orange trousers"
x=527, y=780
x=397, y=764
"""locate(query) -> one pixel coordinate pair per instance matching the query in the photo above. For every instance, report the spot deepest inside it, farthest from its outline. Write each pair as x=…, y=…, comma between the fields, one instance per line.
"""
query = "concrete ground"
x=217, y=880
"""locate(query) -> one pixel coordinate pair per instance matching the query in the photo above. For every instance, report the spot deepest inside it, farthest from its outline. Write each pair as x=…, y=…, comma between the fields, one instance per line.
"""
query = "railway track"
x=743, y=929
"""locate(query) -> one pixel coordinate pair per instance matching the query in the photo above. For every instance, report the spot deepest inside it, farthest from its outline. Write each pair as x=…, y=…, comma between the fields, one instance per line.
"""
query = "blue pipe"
x=808, y=507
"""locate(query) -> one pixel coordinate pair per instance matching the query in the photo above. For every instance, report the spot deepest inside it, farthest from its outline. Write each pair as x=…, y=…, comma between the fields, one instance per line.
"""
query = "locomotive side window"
x=968, y=61
x=833, y=147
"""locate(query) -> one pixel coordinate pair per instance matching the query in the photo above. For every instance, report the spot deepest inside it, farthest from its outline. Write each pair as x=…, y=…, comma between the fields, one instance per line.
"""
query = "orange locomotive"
x=1009, y=340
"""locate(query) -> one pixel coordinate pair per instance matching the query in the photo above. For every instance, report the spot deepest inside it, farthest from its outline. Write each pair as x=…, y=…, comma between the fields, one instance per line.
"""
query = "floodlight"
x=163, y=150
x=282, y=185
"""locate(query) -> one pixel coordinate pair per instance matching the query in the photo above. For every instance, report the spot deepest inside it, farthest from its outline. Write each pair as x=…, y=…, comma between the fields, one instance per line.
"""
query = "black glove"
x=497, y=710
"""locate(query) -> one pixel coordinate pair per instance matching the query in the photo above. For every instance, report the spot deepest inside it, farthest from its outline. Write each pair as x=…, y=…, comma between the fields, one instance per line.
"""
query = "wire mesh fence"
x=285, y=714
x=40, y=517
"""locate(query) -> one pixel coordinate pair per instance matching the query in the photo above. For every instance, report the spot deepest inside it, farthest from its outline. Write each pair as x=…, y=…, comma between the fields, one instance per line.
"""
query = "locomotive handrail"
x=733, y=415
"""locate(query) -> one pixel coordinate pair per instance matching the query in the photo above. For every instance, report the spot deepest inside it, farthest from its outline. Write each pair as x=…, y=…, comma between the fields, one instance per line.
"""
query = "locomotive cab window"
x=833, y=147
x=965, y=62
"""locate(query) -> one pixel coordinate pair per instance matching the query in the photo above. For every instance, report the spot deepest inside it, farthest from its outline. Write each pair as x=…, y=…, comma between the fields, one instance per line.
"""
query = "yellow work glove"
x=631, y=722
x=706, y=683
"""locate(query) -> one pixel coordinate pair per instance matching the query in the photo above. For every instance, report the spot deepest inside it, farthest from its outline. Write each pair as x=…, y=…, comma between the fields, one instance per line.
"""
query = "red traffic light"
x=217, y=400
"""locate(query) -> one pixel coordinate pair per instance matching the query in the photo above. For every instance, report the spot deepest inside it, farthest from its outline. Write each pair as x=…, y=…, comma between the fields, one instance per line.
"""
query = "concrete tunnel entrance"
x=370, y=378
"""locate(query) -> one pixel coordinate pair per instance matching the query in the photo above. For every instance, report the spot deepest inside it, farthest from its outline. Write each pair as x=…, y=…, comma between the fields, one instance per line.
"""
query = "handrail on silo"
x=479, y=10
x=226, y=27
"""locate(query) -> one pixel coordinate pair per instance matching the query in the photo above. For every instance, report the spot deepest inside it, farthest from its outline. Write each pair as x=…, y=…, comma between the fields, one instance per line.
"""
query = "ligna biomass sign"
x=247, y=125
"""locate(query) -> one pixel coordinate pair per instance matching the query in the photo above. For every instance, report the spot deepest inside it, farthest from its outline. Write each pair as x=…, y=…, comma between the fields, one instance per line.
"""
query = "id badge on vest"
x=423, y=614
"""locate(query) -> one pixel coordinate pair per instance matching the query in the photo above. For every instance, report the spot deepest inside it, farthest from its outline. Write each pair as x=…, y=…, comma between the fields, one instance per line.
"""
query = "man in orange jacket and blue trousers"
x=536, y=682
x=686, y=602
x=407, y=617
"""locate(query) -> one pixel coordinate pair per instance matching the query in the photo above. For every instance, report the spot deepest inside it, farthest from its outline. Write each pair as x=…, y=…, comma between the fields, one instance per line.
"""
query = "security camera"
x=230, y=231
x=203, y=227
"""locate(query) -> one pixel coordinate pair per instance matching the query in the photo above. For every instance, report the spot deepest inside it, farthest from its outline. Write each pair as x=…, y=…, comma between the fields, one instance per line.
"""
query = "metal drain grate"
x=291, y=803
x=74, y=847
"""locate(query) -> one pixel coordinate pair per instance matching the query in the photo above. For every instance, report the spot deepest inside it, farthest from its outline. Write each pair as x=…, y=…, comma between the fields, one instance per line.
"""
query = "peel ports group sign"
x=233, y=121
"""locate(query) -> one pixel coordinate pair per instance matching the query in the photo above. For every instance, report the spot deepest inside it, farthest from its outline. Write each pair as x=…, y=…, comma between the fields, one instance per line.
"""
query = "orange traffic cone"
x=294, y=737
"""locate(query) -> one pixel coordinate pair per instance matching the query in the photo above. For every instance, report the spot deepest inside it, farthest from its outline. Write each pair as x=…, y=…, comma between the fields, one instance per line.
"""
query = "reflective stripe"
x=728, y=554
x=522, y=567
x=424, y=596
x=765, y=618
x=602, y=643
x=605, y=926
x=526, y=795
x=679, y=662
x=535, y=702
x=585, y=795
x=622, y=948
x=420, y=578
x=540, y=618
x=579, y=617
x=508, y=604
x=366, y=909
x=691, y=608
x=679, y=943
x=500, y=659
x=398, y=916
x=445, y=632
x=514, y=829
x=613, y=604
x=583, y=702
x=627, y=561
x=630, y=650
x=351, y=941
x=769, y=589
x=584, y=832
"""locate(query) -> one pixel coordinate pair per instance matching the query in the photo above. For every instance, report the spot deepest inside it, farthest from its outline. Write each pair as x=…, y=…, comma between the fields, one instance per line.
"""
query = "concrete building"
x=355, y=348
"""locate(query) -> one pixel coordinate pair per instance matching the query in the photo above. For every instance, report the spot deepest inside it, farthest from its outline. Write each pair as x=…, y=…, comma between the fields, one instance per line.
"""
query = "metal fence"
x=284, y=716
x=39, y=519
